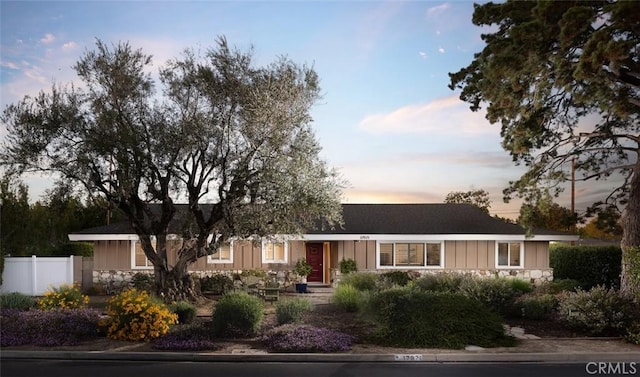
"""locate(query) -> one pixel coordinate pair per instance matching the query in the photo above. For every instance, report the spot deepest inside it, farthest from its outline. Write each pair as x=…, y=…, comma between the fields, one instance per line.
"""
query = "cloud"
x=390, y=196
x=9, y=65
x=69, y=46
x=48, y=38
x=422, y=54
x=437, y=10
x=447, y=115
x=441, y=50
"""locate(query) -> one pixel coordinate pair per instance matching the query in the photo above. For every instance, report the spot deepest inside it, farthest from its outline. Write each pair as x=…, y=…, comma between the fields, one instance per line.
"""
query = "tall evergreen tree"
x=563, y=80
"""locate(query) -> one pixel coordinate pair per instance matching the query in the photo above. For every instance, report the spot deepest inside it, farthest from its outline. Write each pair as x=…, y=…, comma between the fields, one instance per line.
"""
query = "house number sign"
x=408, y=357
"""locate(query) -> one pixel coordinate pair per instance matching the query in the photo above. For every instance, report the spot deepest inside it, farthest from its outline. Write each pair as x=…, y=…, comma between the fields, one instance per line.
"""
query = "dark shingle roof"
x=419, y=219
x=394, y=219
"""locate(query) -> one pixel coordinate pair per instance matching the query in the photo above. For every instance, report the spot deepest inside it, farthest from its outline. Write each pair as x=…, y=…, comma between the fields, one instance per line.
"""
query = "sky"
x=387, y=119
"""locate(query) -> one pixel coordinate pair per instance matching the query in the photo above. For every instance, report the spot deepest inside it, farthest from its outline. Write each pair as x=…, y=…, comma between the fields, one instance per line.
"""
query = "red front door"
x=315, y=257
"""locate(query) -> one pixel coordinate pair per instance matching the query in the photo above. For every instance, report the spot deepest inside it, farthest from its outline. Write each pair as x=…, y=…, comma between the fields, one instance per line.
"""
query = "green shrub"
x=143, y=281
x=348, y=266
x=558, y=286
x=442, y=282
x=520, y=286
x=362, y=281
x=496, y=293
x=257, y=273
x=348, y=297
x=136, y=315
x=185, y=311
x=83, y=249
x=540, y=307
x=414, y=318
x=63, y=297
x=399, y=278
x=599, y=311
x=590, y=265
x=292, y=310
x=633, y=333
x=216, y=284
x=237, y=314
x=16, y=300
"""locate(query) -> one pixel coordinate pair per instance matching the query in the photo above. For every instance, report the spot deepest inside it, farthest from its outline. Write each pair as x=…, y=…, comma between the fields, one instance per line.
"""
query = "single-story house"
x=425, y=238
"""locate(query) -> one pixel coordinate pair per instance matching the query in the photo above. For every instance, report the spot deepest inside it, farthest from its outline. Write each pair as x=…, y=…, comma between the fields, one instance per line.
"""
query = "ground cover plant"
x=47, y=327
x=304, y=338
x=186, y=338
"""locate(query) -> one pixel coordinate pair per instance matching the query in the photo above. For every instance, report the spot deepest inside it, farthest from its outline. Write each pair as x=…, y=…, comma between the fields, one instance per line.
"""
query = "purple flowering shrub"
x=192, y=338
x=48, y=328
x=305, y=338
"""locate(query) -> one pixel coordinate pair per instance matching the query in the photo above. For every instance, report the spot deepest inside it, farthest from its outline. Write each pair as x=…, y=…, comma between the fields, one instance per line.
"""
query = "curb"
x=336, y=358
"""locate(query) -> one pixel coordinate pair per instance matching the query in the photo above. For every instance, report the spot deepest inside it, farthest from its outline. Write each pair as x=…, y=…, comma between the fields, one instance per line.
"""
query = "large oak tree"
x=563, y=80
x=231, y=140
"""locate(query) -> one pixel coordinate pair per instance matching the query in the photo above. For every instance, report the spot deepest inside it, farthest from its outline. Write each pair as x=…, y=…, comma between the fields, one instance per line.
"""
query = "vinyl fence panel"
x=35, y=275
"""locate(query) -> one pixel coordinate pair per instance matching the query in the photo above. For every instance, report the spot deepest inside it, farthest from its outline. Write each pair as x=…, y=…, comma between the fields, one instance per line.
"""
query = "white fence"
x=34, y=276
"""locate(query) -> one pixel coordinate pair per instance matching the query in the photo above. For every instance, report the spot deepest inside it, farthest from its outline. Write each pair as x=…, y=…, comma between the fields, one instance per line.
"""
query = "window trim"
x=410, y=267
x=265, y=242
x=498, y=265
x=210, y=259
x=149, y=265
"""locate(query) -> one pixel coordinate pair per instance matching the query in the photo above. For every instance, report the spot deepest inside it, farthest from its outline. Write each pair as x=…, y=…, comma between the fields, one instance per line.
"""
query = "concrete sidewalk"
x=453, y=357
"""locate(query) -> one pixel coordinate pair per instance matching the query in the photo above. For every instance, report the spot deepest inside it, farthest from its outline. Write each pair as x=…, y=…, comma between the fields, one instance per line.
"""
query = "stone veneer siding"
x=535, y=276
x=113, y=281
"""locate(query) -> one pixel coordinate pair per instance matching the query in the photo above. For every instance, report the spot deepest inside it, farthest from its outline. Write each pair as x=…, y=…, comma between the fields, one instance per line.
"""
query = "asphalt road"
x=117, y=368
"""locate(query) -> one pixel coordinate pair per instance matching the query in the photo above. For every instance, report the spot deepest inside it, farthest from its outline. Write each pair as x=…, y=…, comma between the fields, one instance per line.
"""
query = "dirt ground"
x=553, y=339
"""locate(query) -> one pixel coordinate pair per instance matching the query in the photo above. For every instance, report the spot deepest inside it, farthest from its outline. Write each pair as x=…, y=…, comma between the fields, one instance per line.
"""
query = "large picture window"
x=509, y=254
x=274, y=251
x=224, y=254
x=410, y=254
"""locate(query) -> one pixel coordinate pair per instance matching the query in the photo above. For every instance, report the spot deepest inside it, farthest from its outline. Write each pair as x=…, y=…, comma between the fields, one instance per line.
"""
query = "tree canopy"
x=220, y=132
x=478, y=198
x=563, y=80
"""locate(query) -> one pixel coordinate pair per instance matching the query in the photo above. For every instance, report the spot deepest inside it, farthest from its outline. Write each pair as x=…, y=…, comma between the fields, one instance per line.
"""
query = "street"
x=89, y=368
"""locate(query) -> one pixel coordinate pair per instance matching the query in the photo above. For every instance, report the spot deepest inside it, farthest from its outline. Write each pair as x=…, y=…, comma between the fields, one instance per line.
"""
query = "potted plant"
x=303, y=269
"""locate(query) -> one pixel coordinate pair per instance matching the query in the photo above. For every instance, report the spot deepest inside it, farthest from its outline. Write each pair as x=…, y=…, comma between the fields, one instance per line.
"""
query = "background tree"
x=563, y=79
x=604, y=226
x=547, y=214
x=220, y=132
x=15, y=234
x=478, y=198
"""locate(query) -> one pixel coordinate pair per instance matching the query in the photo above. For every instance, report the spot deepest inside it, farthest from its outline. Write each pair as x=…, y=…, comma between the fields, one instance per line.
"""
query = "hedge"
x=589, y=265
x=84, y=249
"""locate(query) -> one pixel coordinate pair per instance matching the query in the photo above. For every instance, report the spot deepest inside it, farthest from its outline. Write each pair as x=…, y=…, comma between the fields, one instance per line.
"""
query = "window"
x=224, y=254
x=410, y=254
x=509, y=254
x=138, y=258
x=274, y=252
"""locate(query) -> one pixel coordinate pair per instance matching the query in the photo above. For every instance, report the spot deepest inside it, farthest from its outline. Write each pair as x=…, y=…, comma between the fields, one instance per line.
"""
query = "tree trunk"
x=175, y=285
x=630, y=277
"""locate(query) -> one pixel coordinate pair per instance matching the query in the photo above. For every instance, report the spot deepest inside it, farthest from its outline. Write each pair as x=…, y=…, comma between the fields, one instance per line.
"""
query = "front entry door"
x=315, y=257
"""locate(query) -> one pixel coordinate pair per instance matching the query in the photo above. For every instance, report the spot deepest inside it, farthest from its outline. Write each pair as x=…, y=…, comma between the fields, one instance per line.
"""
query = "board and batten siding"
x=536, y=255
x=459, y=255
x=112, y=255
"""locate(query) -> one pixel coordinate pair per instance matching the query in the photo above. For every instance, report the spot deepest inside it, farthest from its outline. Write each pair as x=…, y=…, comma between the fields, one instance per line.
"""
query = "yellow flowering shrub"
x=135, y=315
x=64, y=297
